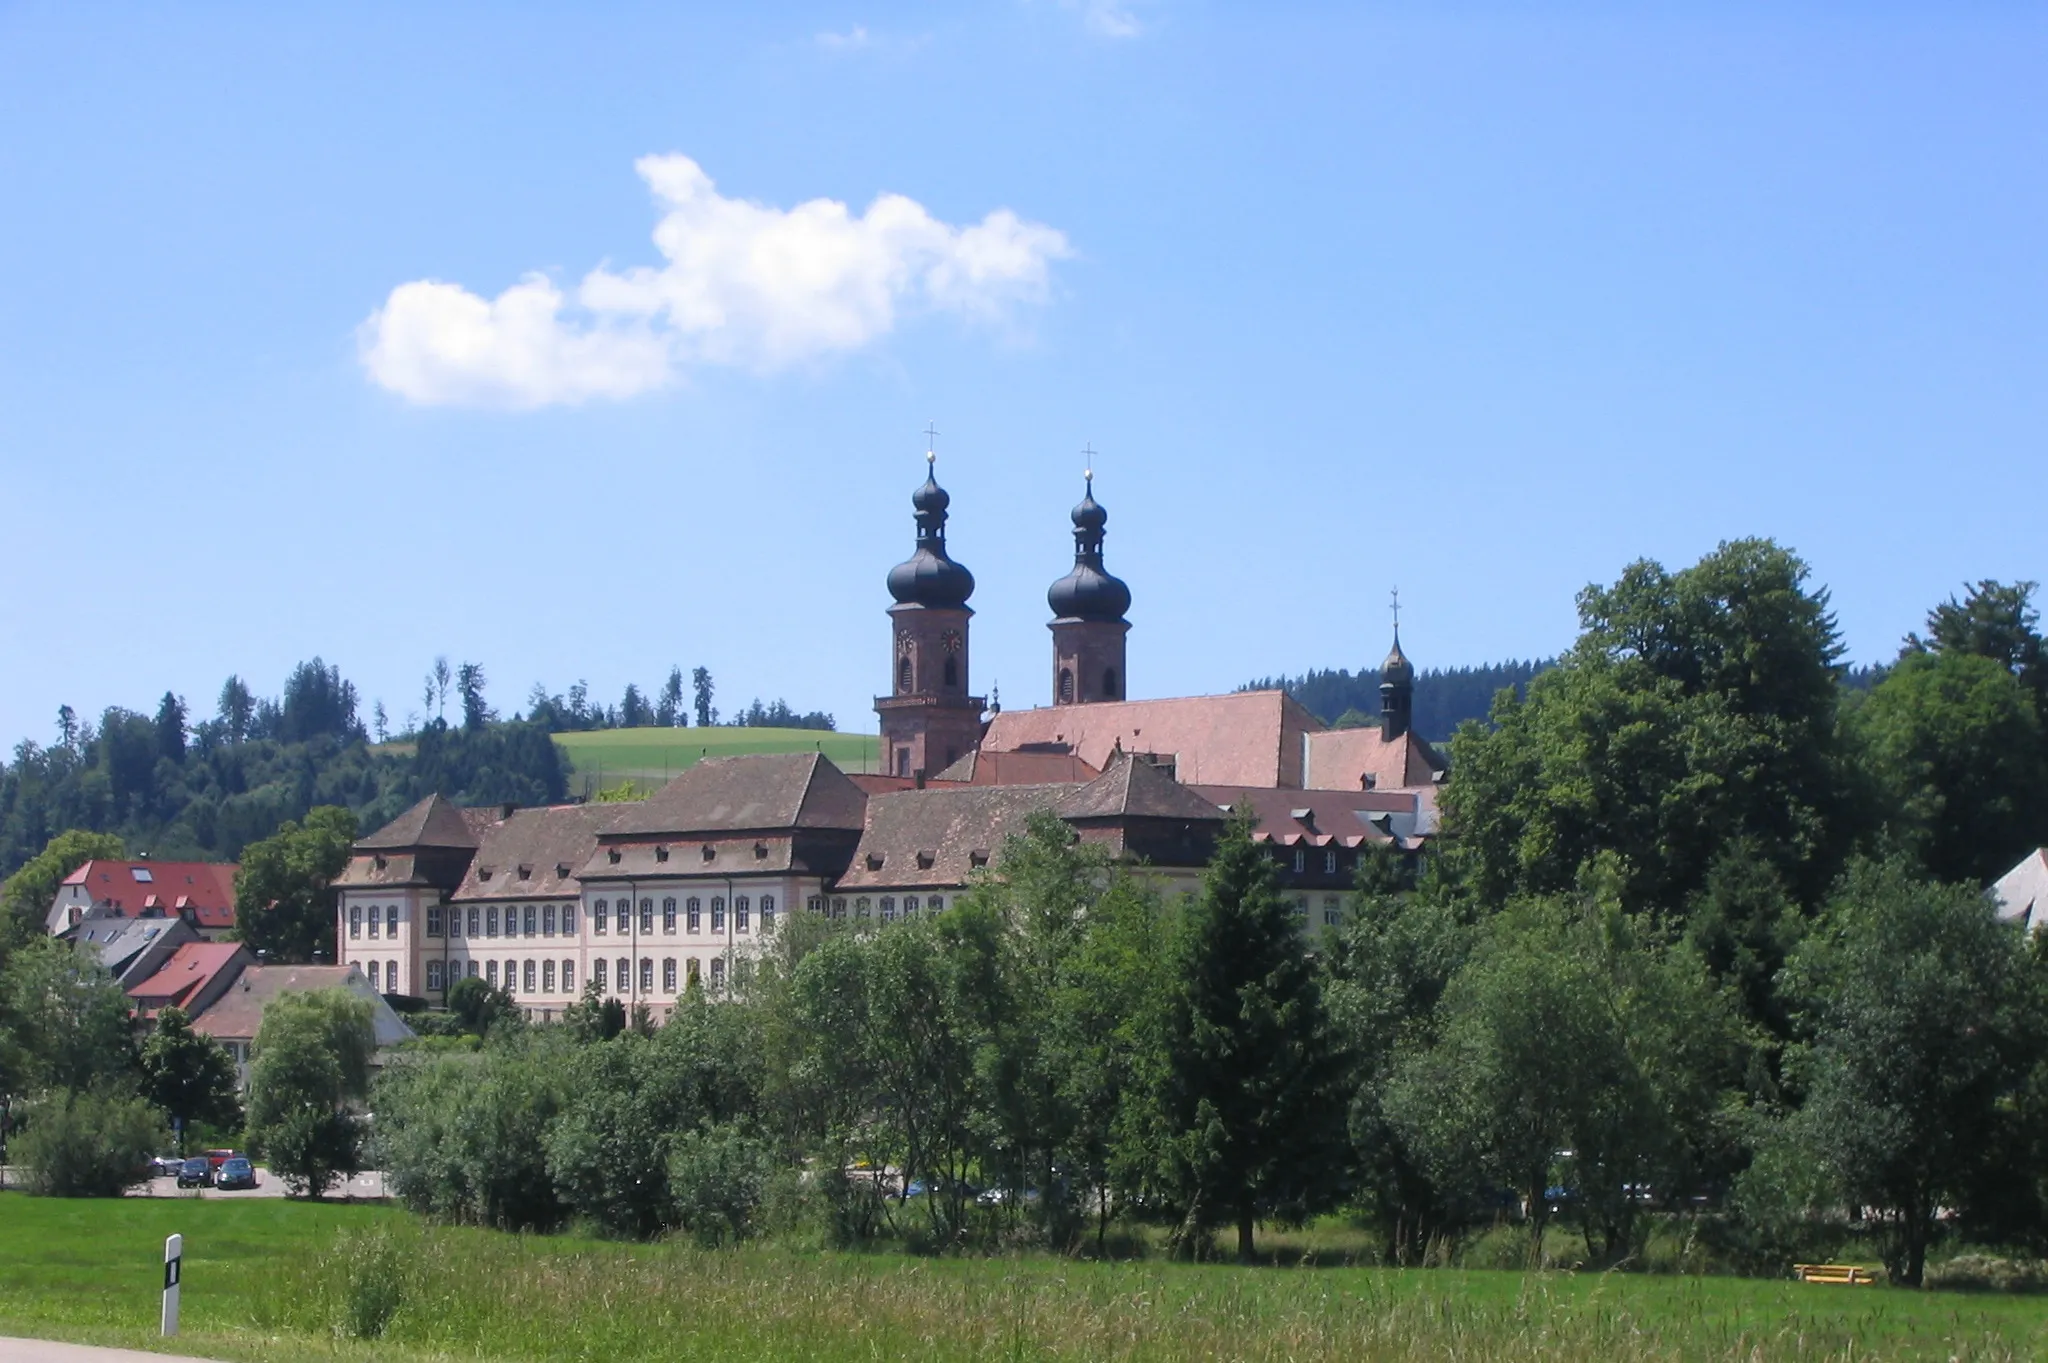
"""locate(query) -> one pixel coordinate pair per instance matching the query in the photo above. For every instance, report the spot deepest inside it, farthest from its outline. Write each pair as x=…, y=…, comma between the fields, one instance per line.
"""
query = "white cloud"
x=1106, y=18
x=857, y=36
x=743, y=284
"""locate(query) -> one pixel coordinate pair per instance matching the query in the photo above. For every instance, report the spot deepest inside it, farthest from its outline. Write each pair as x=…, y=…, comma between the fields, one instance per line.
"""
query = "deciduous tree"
x=284, y=895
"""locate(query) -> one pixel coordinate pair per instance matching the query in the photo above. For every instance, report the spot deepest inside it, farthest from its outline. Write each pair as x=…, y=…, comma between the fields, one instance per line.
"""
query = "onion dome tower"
x=1088, y=625
x=1397, y=691
x=929, y=721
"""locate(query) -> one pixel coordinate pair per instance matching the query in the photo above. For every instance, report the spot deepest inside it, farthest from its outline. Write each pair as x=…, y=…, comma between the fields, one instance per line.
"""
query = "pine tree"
x=1250, y=1104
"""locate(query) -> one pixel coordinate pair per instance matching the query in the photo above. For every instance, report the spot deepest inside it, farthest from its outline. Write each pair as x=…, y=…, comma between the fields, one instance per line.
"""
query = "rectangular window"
x=693, y=914
x=355, y=921
x=767, y=913
x=1300, y=861
x=391, y=921
x=491, y=921
x=527, y=973
x=1330, y=862
x=376, y=923
x=718, y=913
x=839, y=906
x=433, y=922
x=935, y=903
x=373, y=974
x=491, y=974
x=647, y=974
x=472, y=922
x=910, y=906
x=646, y=918
x=529, y=920
x=455, y=921
x=668, y=916
x=625, y=975
x=1333, y=911
x=740, y=916
x=434, y=976
x=888, y=908
x=511, y=977
x=547, y=977
x=597, y=973
x=1301, y=906
x=693, y=972
x=568, y=920
x=472, y=970
x=391, y=977
x=668, y=974
x=717, y=973
x=862, y=907
x=568, y=977
x=547, y=920
x=816, y=903
x=598, y=914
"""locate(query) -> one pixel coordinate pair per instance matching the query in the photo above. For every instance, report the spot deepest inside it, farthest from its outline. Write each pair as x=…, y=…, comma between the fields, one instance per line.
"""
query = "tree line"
x=1445, y=697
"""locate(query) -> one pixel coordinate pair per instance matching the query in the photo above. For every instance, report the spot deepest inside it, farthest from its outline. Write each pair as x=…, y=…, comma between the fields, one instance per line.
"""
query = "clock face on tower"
x=951, y=641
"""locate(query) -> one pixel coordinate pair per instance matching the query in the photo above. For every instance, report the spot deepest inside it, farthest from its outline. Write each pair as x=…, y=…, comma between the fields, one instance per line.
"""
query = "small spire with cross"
x=1088, y=466
x=931, y=436
x=1396, y=608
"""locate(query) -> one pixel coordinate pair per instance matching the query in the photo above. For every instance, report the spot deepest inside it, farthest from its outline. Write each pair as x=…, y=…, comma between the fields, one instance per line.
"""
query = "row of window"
x=692, y=915
x=1329, y=861
x=384, y=917
x=545, y=920
x=866, y=907
x=520, y=977
x=622, y=981
x=390, y=976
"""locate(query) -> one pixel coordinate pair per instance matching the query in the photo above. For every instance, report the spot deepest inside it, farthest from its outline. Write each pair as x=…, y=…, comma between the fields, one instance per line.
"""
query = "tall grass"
x=279, y=1283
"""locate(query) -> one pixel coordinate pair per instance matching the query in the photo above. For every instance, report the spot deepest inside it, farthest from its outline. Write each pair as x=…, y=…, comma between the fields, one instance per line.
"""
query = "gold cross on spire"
x=931, y=435
x=1088, y=466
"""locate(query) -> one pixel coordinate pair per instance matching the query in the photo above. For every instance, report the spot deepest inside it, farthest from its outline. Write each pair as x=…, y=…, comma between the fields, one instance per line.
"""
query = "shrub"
x=88, y=1144
x=1979, y=1272
x=718, y=1176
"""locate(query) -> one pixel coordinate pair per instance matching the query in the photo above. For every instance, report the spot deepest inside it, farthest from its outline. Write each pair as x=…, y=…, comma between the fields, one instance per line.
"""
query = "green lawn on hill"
x=280, y=1281
x=603, y=758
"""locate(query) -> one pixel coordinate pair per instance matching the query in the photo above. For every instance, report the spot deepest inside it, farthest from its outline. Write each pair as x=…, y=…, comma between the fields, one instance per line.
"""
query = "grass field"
x=269, y=1280
x=602, y=758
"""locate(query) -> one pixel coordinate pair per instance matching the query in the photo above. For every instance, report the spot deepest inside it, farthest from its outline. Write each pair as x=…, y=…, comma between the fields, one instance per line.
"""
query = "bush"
x=88, y=1144
x=718, y=1176
x=1980, y=1272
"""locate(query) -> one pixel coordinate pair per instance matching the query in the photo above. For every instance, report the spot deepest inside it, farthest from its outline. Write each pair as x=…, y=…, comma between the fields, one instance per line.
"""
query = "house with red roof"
x=197, y=974
x=200, y=892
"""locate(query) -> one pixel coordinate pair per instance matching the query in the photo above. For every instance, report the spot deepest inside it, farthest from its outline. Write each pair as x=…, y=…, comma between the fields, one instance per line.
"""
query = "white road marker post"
x=174, y=1258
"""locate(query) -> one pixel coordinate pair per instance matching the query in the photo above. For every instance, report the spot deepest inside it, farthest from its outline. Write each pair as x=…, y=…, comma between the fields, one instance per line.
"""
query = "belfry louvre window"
x=1066, y=686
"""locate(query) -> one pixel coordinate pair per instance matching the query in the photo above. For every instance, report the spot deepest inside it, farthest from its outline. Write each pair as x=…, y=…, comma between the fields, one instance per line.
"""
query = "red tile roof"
x=1248, y=738
x=1340, y=759
x=186, y=975
x=205, y=888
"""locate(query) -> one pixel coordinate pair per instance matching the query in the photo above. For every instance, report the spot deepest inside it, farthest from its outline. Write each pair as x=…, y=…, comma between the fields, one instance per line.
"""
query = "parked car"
x=166, y=1166
x=219, y=1157
x=235, y=1173
x=196, y=1172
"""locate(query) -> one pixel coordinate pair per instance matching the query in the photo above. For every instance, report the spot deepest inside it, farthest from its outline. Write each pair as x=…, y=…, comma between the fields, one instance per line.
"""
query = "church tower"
x=1088, y=625
x=929, y=721
x=1397, y=692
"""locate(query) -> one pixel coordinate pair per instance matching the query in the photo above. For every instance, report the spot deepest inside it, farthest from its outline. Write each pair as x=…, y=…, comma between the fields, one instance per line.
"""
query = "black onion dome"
x=1089, y=592
x=930, y=577
x=1397, y=666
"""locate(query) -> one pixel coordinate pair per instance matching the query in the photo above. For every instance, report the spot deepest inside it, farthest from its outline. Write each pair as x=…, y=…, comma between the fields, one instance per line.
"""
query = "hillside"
x=1444, y=697
x=600, y=759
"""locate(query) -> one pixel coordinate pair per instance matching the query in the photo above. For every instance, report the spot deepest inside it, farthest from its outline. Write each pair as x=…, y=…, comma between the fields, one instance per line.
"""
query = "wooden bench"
x=1840, y=1274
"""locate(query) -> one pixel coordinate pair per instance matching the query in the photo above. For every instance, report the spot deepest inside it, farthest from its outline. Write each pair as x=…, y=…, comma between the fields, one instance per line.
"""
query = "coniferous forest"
x=1701, y=974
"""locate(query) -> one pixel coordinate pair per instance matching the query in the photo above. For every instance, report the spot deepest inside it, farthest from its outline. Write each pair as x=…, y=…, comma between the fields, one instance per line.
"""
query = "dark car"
x=235, y=1173
x=196, y=1172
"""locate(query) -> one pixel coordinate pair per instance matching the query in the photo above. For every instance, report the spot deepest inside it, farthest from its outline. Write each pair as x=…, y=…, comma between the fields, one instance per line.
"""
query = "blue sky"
x=1480, y=300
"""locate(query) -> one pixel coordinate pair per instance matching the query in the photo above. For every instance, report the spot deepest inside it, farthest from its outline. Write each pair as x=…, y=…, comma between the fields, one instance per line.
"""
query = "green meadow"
x=276, y=1280
x=603, y=758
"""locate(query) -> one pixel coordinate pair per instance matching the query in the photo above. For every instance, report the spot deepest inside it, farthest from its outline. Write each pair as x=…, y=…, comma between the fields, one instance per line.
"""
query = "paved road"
x=362, y=1185
x=43, y=1351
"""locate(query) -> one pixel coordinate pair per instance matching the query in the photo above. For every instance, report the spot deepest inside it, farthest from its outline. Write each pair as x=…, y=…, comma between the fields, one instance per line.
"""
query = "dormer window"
x=925, y=860
x=874, y=861
x=710, y=851
x=526, y=873
x=760, y=851
x=661, y=854
x=380, y=862
x=612, y=855
x=978, y=857
x=483, y=873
